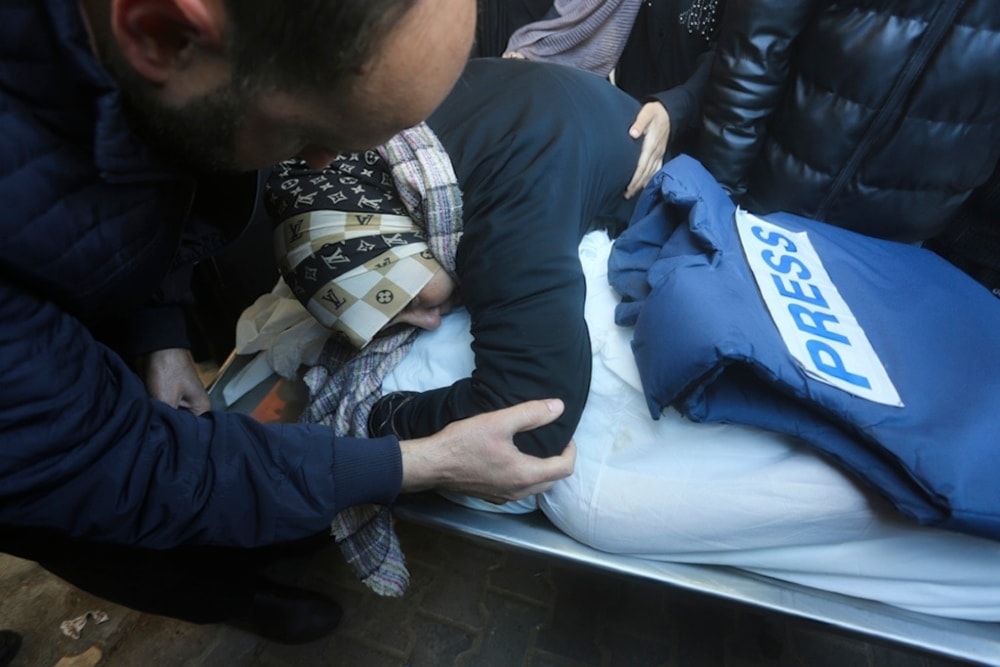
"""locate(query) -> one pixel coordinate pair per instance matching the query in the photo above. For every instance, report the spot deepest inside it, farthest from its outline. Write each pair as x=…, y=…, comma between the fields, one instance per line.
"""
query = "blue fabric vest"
x=707, y=341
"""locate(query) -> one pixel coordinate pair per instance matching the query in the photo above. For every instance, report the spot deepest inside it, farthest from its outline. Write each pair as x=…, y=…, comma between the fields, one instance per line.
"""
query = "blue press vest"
x=707, y=343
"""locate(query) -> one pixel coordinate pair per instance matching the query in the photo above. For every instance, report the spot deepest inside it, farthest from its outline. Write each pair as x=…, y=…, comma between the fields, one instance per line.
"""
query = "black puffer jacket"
x=876, y=115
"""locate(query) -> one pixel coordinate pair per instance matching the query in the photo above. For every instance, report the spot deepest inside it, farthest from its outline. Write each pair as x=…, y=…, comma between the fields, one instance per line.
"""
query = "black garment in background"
x=10, y=644
x=663, y=60
x=873, y=115
x=972, y=239
x=226, y=284
x=498, y=19
x=214, y=291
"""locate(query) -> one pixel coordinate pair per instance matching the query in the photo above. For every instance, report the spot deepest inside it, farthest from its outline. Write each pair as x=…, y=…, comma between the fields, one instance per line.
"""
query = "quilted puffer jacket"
x=881, y=116
x=89, y=223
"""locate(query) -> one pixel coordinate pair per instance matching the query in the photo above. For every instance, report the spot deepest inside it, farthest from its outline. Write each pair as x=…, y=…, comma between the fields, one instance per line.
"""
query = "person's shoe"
x=290, y=615
x=10, y=644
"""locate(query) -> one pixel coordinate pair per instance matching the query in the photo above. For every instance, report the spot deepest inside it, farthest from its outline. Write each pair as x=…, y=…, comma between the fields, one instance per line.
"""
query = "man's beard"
x=199, y=137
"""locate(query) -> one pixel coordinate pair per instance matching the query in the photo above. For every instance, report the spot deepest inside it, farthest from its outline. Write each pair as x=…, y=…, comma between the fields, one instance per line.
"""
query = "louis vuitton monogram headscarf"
x=353, y=271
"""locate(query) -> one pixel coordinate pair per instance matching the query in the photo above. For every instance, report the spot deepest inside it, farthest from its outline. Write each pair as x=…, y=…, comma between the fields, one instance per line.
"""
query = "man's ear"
x=159, y=37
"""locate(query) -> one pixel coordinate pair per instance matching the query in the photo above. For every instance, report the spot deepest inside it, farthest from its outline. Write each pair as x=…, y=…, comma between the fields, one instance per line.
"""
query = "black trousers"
x=197, y=584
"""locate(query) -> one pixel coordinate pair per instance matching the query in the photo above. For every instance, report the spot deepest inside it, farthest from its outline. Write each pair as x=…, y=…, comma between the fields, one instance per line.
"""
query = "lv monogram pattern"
x=356, y=267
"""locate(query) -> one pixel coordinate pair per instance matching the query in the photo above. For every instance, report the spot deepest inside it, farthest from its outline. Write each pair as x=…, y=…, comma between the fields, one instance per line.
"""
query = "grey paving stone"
x=583, y=598
x=457, y=581
x=155, y=640
x=336, y=652
x=468, y=604
x=234, y=648
x=456, y=598
x=509, y=634
x=388, y=623
x=423, y=545
x=438, y=643
x=522, y=575
x=356, y=615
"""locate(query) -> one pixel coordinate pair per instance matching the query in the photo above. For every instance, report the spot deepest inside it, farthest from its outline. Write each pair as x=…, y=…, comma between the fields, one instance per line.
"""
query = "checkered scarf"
x=346, y=382
x=353, y=271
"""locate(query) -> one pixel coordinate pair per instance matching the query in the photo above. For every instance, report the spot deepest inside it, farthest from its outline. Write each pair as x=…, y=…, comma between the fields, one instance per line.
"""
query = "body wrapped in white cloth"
x=675, y=490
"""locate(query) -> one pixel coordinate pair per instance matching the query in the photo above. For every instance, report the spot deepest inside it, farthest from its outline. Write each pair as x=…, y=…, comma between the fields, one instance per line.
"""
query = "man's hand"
x=653, y=123
x=477, y=456
x=171, y=377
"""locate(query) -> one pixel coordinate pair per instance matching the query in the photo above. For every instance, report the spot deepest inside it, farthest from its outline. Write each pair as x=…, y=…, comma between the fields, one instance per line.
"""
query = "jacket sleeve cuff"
x=680, y=106
x=367, y=471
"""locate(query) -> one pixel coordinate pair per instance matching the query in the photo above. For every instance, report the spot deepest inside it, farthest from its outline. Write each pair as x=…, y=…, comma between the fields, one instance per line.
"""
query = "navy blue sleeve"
x=84, y=450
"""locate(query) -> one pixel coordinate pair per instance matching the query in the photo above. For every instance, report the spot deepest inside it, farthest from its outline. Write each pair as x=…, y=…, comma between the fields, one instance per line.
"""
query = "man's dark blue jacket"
x=90, y=223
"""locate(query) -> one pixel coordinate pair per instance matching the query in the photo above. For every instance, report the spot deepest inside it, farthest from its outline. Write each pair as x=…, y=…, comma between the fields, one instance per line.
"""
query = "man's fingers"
x=530, y=414
x=562, y=465
x=546, y=472
x=554, y=468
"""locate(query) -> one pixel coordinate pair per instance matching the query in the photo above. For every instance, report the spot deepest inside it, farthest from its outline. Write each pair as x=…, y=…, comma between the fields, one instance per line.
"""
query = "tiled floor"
x=468, y=604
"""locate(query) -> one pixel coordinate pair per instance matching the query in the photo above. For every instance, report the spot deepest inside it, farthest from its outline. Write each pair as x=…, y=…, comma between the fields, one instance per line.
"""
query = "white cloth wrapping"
x=722, y=494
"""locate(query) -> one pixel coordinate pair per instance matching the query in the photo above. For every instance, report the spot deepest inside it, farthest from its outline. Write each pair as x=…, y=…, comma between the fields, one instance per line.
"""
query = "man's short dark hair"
x=305, y=44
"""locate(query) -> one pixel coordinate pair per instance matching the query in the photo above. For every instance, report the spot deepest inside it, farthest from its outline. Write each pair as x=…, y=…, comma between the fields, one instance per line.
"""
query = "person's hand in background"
x=653, y=124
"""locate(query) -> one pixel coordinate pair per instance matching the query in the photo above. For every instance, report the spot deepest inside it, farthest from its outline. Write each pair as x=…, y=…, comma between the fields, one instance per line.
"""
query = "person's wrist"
x=418, y=473
x=425, y=466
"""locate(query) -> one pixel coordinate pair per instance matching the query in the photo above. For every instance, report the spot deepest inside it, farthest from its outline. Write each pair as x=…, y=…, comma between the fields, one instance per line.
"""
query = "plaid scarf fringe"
x=346, y=383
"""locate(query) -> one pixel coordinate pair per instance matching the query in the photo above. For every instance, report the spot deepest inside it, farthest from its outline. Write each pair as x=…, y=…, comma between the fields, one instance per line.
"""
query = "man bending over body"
x=124, y=121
